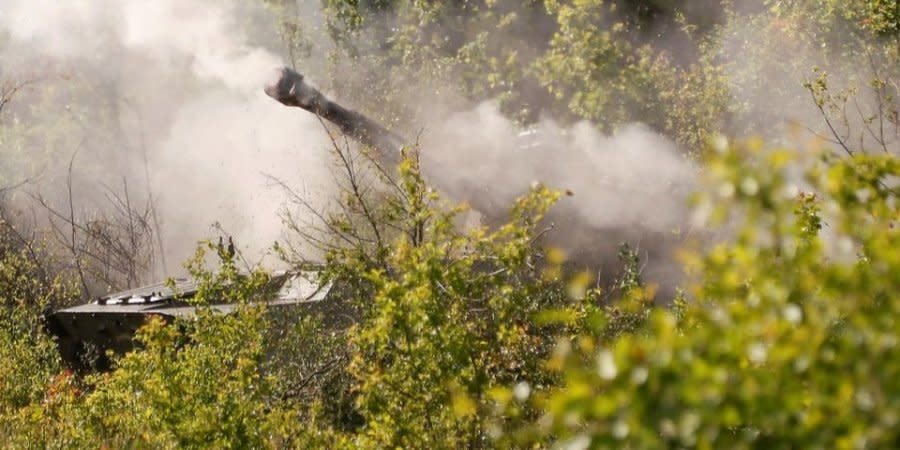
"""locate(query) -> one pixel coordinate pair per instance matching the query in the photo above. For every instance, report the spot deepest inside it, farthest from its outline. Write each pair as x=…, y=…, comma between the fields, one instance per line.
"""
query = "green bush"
x=196, y=383
x=789, y=340
x=786, y=338
x=28, y=357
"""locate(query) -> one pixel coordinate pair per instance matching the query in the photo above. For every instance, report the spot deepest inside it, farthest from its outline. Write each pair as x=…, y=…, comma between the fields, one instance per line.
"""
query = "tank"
x=85, y=333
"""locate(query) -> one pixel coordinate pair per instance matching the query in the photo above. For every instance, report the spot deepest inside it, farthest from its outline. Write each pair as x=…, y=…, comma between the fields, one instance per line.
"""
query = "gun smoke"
x=165, y=95
x=173, y=104
x=631, y=187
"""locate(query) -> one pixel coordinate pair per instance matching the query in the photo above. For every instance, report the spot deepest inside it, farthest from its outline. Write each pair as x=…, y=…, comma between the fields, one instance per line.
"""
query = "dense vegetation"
x=784, y=335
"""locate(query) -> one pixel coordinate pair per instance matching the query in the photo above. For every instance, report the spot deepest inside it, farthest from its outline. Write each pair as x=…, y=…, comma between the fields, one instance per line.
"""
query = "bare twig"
x=73, y=229
x=840, y=140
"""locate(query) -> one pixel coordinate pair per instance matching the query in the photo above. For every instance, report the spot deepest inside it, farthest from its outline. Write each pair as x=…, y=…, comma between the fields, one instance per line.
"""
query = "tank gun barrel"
x=291, y=90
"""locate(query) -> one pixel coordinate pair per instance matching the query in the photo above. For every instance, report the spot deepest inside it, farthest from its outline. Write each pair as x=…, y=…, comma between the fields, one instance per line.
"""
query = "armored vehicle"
x=110, y=322
x=85, y=333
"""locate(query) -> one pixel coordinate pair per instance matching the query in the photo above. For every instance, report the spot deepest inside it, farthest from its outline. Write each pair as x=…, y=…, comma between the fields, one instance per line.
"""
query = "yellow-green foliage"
x=791, y=340
x=194, y=384
x=594, y=60
x=787, y=338
x=28, y=359
x=605, y=76
x=785, y=335
x=450, y=319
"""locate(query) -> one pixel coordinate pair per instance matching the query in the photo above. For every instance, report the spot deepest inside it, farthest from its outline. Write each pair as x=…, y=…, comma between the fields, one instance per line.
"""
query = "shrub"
x=790, y=339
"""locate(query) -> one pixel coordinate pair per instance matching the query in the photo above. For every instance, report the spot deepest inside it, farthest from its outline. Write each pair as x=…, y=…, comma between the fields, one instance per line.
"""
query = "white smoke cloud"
x=634, y=177
x=632, y=186
x=57, y=29
x=187, y=81
x=205, y=32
